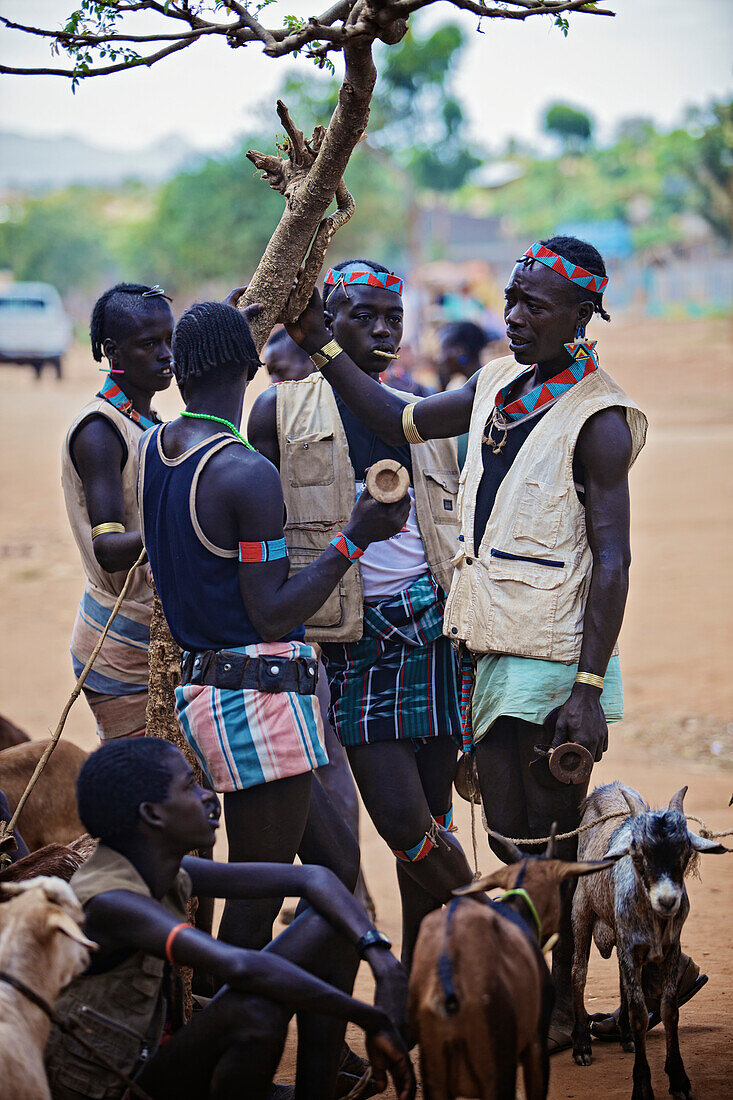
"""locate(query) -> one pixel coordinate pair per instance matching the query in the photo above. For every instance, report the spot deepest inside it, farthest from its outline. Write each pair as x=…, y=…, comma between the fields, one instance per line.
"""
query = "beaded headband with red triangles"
x=365, y=278
x=595, y=283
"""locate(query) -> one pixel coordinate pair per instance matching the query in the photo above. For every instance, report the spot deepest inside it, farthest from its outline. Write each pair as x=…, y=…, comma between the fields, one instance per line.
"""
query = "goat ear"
x=702, y=844
x=551, y=849
x=509, y=852
x=620, y=847
x=488, y=882
x=675, y=802
x=633, y=801
x=575, y=870
x=62, y=922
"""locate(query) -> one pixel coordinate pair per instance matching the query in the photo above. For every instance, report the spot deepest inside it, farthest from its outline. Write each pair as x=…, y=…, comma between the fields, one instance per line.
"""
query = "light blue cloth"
x=527, y=688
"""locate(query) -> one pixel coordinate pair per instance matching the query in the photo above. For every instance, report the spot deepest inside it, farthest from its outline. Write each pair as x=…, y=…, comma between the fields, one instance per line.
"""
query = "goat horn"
x=513, y=854
x=675, y=802
x=551, y=849
x=62, y=922
x=633, y=807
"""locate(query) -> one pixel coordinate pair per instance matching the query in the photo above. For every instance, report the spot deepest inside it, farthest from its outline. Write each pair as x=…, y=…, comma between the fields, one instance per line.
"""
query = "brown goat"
x=49, y=816
x=480, y=991
x=42, y=944
x=54, y=860
x=11, y=734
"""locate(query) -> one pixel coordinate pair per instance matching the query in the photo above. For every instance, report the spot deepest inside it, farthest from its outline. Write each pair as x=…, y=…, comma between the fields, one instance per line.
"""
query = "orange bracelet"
x=169, y=941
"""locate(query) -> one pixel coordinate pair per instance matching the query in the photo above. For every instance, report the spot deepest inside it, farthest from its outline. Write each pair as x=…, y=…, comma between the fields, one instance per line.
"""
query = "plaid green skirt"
x=400, y=681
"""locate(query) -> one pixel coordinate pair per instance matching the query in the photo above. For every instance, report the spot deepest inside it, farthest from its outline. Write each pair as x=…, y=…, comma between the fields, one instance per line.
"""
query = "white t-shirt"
x=393, y=565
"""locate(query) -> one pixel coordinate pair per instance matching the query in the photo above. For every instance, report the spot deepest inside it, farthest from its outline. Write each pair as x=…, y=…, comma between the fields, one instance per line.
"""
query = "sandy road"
x=676, y=643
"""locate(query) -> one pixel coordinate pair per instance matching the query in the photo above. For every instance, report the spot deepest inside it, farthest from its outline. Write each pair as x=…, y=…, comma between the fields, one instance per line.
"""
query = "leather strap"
x=227, y=669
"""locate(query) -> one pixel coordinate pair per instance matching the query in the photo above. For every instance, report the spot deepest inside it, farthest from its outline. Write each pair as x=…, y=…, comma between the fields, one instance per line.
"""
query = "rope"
x=705, y=832
x=56, y=736
x=360, y=1086
x=62, y=1025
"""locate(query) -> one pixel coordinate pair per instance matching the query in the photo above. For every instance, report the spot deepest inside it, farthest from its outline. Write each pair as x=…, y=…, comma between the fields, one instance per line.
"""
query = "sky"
x=654, y=59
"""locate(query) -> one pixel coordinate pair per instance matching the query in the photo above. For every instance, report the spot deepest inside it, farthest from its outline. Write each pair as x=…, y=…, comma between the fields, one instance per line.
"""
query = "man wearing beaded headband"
x=392, y=674
x=541, y=577
x=212, y=518
x=132, y=327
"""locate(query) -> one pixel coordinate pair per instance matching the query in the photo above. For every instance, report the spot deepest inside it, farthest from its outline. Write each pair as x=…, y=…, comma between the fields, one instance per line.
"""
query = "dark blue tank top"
x=198, y=587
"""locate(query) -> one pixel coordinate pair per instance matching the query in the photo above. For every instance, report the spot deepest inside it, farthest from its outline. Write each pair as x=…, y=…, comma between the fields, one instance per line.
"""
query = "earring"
x=112, y=368
x=583, y=351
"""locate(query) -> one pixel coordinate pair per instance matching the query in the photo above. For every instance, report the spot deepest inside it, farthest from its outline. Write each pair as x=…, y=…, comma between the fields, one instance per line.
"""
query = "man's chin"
x=523, y=355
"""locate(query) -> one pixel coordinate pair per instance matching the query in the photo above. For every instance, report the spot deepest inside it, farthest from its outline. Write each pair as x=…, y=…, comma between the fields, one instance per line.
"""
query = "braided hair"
x=114, y=305
x=211, y=335
x=116, y=778
x=584, y=255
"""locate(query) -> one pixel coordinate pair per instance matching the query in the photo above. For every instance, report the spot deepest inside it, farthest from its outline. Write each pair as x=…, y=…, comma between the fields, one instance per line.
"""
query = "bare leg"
x=388, y=778
x=265, y=824
x=338, y=783
x=513, y=797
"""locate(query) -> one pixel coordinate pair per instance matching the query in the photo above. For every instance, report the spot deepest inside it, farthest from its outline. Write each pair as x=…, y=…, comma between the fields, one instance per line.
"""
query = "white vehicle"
x=34, y=328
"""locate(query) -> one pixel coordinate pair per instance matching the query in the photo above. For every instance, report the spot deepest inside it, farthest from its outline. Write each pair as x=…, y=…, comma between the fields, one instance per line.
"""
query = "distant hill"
x=38, y=163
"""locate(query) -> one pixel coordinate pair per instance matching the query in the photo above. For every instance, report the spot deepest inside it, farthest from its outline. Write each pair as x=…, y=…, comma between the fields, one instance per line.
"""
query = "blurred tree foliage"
x=647, y=179
x=572, y=128
x=59, y=239
x=210, y=223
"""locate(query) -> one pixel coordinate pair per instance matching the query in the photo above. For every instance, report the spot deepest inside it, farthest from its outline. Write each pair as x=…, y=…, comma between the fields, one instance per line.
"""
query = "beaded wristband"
x=589, y=678
x=108, y=529
x=171, y=937
x=345, y=546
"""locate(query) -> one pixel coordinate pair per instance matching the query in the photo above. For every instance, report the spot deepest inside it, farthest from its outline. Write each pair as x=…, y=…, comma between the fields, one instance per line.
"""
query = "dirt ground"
x=676, y=643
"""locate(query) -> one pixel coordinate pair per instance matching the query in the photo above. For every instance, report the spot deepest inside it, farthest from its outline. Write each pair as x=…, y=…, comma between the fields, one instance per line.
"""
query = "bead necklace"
x=220, y=420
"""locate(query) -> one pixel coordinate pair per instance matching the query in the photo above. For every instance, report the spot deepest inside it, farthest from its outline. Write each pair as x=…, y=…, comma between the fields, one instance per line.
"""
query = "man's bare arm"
x=441, y=416
x=98, y=455
x=604, y=450
x=262, y=426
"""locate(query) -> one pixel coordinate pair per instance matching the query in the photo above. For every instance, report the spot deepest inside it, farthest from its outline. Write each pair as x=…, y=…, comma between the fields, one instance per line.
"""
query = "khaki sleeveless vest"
x=523, y=590
x=121, y=1012
x=105, y=586
x=318, y=485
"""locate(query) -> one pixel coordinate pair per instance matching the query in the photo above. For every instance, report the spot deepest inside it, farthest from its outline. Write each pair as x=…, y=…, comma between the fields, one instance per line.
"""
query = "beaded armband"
x=251, y=553
x=345, y=546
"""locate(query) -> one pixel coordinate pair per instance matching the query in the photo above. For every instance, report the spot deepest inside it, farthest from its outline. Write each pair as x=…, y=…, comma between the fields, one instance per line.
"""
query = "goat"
x=42, y=945
x=11, y=734
x=56, y=860
x=639, y=907
x=480, y=994
x=49, y=816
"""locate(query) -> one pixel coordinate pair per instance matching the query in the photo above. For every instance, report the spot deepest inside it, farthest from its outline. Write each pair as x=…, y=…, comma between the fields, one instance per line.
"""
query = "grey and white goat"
x=638, y=906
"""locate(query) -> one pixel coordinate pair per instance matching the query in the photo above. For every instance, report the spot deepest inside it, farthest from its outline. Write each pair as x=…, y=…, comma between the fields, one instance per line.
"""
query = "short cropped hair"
x=283, y=341
x=114, y=306
x=116, y=778
x=211, y=335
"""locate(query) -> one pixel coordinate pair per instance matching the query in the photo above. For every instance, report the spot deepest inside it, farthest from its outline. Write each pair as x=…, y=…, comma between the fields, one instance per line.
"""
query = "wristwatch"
x=328, y=352
x=371, y=938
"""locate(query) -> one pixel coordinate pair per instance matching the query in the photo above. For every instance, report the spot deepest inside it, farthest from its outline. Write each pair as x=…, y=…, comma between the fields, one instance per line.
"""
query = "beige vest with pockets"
x=318, y=484
x=532, y=604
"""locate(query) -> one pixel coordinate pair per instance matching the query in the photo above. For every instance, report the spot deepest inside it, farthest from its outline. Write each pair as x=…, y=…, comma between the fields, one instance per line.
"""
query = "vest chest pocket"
x=310, y=459
x=74, y=1073
x=442, y=487
x=539, y=514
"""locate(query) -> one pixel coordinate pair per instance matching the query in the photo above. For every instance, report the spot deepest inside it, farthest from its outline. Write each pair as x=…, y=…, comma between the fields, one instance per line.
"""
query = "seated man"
x=140, y=799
